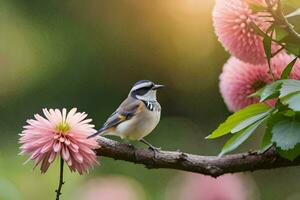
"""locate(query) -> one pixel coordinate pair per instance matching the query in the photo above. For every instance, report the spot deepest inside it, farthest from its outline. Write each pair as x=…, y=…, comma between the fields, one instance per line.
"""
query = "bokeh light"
x=199, y=187
x=110, y=188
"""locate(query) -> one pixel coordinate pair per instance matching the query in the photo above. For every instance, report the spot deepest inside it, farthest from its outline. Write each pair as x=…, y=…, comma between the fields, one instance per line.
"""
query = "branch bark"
x=209, y=165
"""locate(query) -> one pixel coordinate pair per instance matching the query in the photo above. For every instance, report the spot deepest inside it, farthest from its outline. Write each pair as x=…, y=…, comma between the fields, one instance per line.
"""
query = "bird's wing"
x=128, y=108
x=126, y=111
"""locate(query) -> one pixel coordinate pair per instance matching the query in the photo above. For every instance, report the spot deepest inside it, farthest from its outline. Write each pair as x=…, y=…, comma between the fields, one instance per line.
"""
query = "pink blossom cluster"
x=233, y=22
x=239, y=80
x=247, y=70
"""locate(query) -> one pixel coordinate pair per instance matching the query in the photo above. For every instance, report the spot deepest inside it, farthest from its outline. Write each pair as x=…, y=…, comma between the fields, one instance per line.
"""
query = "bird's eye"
x=142, y=91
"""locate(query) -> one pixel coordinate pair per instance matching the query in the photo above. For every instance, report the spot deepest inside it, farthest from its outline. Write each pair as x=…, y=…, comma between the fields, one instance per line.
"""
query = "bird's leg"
x=150, y=145
x=153, y=148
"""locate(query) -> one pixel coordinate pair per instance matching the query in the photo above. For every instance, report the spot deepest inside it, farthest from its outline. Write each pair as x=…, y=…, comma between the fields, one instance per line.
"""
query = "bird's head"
x=145, y=90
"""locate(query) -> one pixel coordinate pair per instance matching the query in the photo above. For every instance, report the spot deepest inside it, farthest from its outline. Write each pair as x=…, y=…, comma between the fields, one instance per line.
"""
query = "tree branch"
x=208, y=165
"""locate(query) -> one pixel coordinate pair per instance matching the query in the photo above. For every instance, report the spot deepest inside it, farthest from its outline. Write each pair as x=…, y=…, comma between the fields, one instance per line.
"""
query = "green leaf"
x=293, y=14
x=288, y=113
x=267, y=41
x=270, y=91
x=279, y=105
x=266, y=142
x=291, y=154
x=292, y=101
x=258, y=30
x=257, y=93
x=290, y=94
x=237, y=118
x=237, y=139
x=287, y=70
x=270, y=29
x=267, y=138
x=280, y=33
x=293, y=48
x=285, y=133
x=288, y=87
x=251, y=120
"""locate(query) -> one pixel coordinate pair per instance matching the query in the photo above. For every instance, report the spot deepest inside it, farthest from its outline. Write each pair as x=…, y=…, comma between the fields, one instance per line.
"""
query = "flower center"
x=258, y=85
x=62, y=127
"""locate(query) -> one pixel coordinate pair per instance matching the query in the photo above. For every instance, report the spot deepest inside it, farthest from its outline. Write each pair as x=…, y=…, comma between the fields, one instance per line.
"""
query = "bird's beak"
x=157, y=86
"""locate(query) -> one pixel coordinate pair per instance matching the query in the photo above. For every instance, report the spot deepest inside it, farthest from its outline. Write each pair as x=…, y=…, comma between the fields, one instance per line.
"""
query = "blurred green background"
x=87, y=54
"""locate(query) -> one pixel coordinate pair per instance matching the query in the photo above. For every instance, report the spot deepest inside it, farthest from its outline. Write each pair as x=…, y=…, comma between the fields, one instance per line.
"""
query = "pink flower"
x=110, y=187
x=231, y=20
x=60, y=134
x=190, y=186
x=238, y=79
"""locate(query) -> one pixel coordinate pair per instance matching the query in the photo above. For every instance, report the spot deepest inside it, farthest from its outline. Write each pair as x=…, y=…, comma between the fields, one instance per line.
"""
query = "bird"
x=137, y=116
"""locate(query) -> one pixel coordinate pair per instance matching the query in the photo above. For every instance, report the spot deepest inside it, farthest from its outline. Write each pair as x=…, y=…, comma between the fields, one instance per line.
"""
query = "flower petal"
x=65, y=153
x=57, y=147
x=52, y=157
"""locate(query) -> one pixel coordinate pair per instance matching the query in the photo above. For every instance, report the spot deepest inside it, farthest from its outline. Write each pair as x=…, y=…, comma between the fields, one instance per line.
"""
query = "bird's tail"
x=99, y=132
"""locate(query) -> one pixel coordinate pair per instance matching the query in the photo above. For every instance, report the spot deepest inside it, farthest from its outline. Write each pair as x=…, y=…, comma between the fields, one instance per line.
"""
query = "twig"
x=278, y=51
x=263, y=34
x=269, y=60
x=209, y=165
x=61, y=179
x=280, y=19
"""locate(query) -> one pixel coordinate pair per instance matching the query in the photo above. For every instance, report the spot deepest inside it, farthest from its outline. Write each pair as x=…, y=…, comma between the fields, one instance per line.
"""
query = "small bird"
x=137, y=115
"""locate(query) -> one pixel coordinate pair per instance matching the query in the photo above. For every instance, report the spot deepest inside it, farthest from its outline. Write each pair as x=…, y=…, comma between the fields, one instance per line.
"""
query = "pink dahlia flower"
x=60, y=134
x=231, y=20
x=238, y=80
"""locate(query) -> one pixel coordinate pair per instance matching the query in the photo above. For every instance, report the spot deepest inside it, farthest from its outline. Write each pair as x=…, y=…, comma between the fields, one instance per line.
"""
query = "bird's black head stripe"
x=142, y=81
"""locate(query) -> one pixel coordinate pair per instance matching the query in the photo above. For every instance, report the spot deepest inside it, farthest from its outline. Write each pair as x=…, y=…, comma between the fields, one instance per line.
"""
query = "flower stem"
x=270, y=59
x=61, y=179
x=271, y=72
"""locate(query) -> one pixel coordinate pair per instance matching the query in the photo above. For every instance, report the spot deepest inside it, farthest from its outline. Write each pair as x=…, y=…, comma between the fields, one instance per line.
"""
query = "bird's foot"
x=155, y=150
